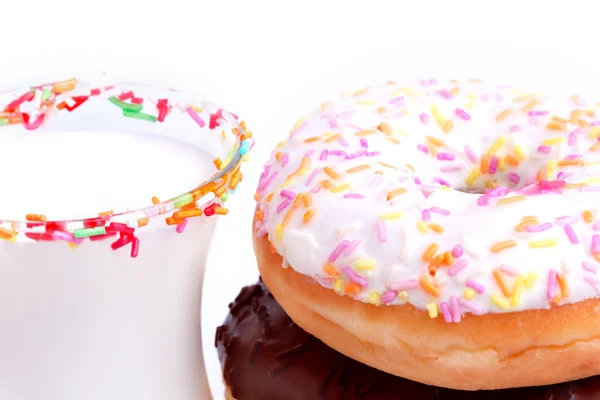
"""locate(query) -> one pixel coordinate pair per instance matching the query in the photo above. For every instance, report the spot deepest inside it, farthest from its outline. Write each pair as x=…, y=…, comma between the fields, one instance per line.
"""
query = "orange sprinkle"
x=454, y=91
x=448, y=126
x=436, y=228
x=485, y=163
x=381, y=110
x=529, y=106
x=278, y=156
x=358, y=168
x=155, y=200
x=245, y=136
x=269, y=197
x=595, y=146
x=273, y=249
x=395, y=193
x=583, y=123
x=448, y=258
x=578, y=163
x=574, y=185
x=503, y=245
x=430, y=252
x=553, y=126
x=312, y=139
x=174, y=221
x=365, y=132
x=256, y=196
x=297, y=200
x=6, y=234
x=503, y=114
x=352, y=288
x=220, y=190
x=333, y=138
x=307, y=199
x=385, y=128
x=326, y=184
x=105, y=213
x=588, y=216
x=36, y=217
x=287, y=218
x=513, y=199
x=143, y=221
x=393, y=140
x=217, y=163
x=221, y=210
x=331, y=172
x=511, y=160
x=437, y=261
x=435, y=141
x=387, y=165
x=506, y=291
x=259, y=215
x=308, y=215
x=564, y=286
x=243, y=125
x=559, y=120
x=330, y=270
x=188, y=214
x=575, y=114
x=428, y=286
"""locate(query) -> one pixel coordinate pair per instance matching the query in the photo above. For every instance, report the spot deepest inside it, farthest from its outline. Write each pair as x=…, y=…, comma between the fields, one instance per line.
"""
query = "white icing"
x=477, y=228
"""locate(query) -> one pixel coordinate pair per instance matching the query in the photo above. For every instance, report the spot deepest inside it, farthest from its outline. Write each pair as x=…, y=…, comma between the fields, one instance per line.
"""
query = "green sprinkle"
x=125, y=106
x=87, y=232
x=139, y=115
x=183, y=200
x=3, y=121
x=46, y=94
x=224, y=196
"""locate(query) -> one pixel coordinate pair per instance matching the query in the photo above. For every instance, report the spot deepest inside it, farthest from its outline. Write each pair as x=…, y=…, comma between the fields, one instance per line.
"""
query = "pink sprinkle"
x=441, y=181
x=509, y=270
x=493, y=165
x=354, y=196
x=475, y=308
x=309, y=153
x=572, y=138
x=446, y=157
x=351, y=247
x=324, y=154
x=445, y=94
x=596, y=244
x=285, y=159
x=591, y=279
x=376, y=181
x=425, y=215
x=354, y=277
x=458, y=266
x=388, y=297
x=571, y=234
x=566, y=220
x=485, y=98
x=397, y=100
x=338, y=250
x=456, y=315
x=316, y=189
x=552, y=277
x=590, y=189
x=589, y=266
x=373, y=154
x=451, y=167
x=356, y=155
x=471, y=154
x=363, y=143
x=594, y=123
x=446, y=312
x=337, y=153
x=423, y=148
x=381, y=230
x=545, y=149
x=404, y=285
x=538, y=228
x=461, y=113
x=424, y=118
x=195, y=117
x=282, y=206
x=475, y=286
x=417, y=180
x=596, y=226
x=514, y=128
x=312, y=176
x=181, y=227
x=333, y=123
x=538, y=113
x=345, y=114
x=135, y=247
x=439, y=210
x=457, y=251
x=269, y=180
x=66, y=236
x=343, y=141
x=288, y=194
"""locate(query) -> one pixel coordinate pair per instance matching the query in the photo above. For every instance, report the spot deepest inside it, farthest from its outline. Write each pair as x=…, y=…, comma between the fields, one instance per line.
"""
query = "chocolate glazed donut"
x=266, y=356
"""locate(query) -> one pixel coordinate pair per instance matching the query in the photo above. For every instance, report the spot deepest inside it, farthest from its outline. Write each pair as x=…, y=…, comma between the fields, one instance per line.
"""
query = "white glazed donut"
x=453, y=197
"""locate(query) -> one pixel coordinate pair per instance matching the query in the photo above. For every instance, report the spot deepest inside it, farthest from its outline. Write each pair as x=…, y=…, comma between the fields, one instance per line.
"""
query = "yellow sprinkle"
x=72, y=245
x=395, y=215
x=501, y=141
x=520, y=152
x=435, y=141
x=332, y=138
x=500, y=301
x=531, y=279
x=503, y=114
x=469, y=105
x=517, y=290
x=279, y=231
x=551, y=169
x=403, y=296
x=551, y=141
x=513, y=199
x=437, y=116
x=529, y=106
x=365, y=102
x=374, y=298
x=432, y=309
x=594, y=132
x=501, y=163
x=423, y=227
x=469, y=293
x=436, y=228
x=338, y=286
x=538, y=244
x=340, y=188
x=365, y=265
x=472, y=176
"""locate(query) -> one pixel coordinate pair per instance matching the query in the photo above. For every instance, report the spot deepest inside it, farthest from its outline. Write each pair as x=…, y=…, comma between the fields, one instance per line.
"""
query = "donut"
x=265, y=355
x=444, y=231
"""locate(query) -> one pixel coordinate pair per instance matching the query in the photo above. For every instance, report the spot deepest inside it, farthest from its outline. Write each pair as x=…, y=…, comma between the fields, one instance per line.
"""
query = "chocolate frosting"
x=266, y=356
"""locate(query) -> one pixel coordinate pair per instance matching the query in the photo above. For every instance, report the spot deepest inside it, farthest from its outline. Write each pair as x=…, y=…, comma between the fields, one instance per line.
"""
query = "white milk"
x=91, y=323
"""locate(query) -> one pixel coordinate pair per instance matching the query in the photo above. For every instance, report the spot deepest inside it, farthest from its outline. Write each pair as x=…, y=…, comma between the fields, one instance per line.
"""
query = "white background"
x=270, y=62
